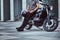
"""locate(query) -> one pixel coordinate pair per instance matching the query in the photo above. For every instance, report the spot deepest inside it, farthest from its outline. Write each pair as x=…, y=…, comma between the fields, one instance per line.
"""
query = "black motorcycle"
x=44, y=17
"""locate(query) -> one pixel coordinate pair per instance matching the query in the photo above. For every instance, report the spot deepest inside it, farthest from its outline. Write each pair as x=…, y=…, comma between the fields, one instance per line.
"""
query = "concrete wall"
x=0, y=9
x=53, y=3
x=17, y=9
x=59, y=9
x=21, y=5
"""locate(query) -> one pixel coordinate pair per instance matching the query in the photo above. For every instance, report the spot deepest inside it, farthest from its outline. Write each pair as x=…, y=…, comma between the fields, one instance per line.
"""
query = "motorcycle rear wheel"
x=28, y=27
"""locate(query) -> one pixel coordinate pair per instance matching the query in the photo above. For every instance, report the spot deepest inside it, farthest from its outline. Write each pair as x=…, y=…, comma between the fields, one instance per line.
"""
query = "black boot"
x=19, y=29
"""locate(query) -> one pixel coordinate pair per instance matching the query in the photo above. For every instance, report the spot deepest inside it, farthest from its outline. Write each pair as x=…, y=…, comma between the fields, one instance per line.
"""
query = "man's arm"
x=28, y=8
x=37, y=6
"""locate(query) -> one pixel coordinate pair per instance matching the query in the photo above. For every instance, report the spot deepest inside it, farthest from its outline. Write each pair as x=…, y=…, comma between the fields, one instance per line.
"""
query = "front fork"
x=48, y=19
x=48, y=15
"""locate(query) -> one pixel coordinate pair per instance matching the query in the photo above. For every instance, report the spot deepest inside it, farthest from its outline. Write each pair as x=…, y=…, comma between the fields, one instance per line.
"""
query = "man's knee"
x=23, y=13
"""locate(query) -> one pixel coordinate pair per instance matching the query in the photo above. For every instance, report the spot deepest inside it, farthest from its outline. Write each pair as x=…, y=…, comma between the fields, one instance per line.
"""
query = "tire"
x=50, y=27
x=28, y=27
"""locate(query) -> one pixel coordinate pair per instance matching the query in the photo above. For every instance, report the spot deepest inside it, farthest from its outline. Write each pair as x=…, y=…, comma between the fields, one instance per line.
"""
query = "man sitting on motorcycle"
x=32, y=8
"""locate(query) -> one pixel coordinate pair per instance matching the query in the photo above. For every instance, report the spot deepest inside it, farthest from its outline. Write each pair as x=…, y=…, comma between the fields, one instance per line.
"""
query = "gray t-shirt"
x=32, y=4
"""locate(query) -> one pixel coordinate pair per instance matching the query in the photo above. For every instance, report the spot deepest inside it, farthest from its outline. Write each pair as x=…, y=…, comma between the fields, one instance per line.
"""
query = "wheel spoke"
x=49, y=26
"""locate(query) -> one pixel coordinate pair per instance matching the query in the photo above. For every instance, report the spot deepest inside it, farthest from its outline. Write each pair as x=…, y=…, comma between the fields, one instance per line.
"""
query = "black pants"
x=27, y=18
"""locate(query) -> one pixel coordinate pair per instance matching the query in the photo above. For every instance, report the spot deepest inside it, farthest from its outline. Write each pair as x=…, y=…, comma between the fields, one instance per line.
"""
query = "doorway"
x=6, y=10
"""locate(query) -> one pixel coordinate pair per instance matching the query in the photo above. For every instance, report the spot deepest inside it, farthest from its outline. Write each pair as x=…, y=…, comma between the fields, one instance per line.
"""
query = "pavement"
x=8, y=32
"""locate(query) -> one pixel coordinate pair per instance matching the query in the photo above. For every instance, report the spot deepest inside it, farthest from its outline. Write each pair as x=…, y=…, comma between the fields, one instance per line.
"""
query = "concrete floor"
x=8, y=32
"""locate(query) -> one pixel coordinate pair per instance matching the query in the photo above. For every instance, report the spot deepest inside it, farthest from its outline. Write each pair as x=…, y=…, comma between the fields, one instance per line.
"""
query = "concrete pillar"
x=2, y=12
x=24, y=4
x=11, y=10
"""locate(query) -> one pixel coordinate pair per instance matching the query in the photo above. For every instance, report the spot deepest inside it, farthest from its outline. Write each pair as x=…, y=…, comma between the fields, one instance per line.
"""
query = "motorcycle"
x=43, y=18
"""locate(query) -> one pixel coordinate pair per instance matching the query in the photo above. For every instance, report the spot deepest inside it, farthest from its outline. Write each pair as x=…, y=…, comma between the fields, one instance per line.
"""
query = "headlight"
x=51, y=7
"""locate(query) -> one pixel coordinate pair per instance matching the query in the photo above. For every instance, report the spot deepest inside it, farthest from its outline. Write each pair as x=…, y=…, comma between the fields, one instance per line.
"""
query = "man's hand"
x=28, y=11
x=32, y=11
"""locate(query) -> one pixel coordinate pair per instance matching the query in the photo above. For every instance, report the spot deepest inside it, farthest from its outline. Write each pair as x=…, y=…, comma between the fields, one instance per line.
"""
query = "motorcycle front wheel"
x=52, y=26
